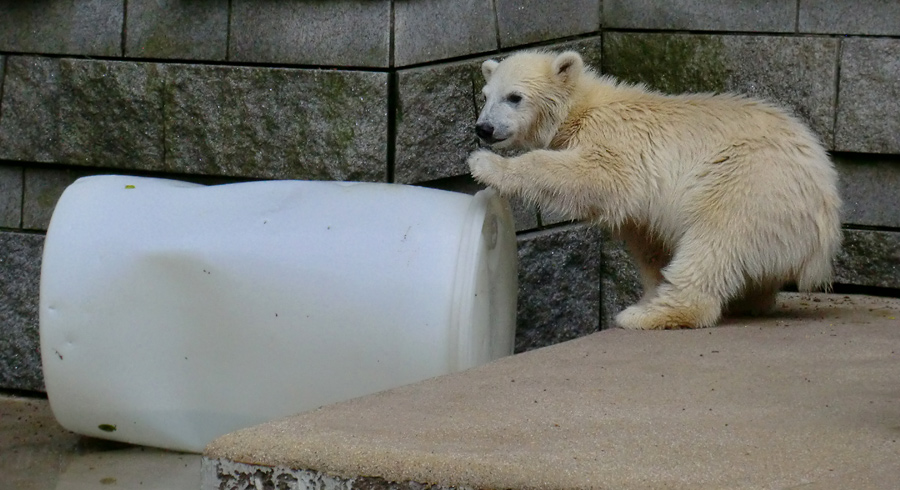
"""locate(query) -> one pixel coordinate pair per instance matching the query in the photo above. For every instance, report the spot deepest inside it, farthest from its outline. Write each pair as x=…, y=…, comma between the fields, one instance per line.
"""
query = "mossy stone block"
x=276, y=123
x=667, y=62
x=701, y=15
x=176, y=29
x=111, y=114
x=29, y=128
x=796, y=73
x=435, y=120
x=83, y=112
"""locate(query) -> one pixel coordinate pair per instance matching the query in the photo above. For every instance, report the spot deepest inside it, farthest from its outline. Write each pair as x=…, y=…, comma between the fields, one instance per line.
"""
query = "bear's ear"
x=487, y=69
x=568, y=65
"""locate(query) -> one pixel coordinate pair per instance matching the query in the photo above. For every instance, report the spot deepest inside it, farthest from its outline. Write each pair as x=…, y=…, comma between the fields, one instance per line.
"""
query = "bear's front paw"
x=486, y=166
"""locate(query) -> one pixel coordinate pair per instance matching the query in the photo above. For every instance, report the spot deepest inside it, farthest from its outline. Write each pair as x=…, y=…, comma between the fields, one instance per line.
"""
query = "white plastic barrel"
x=172, y=313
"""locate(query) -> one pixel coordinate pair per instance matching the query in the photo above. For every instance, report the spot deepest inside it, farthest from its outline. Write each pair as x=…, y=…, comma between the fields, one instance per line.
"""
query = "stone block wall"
x=220, y=91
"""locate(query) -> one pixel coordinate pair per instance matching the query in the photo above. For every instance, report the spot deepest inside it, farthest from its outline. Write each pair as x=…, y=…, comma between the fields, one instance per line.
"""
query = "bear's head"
x=526, y=98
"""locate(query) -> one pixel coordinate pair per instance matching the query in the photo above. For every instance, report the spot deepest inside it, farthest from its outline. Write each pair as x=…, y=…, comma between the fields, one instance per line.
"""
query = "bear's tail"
x=816, y=272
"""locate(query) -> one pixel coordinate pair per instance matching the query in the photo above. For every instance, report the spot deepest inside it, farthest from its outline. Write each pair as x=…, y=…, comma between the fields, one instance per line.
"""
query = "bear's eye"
x=514, y=98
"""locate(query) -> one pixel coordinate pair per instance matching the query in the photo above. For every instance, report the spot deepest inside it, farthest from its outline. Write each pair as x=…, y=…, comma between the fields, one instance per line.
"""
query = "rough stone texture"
x=872, y=17
x=705, y=15
x=868, y=187
x=111, y=113
x=277, y=123
x=620, y=284
x=238, y=121
x=84, y=112
x=797, y=73
x=559, y=286
x=177, y=29
x=524, y=214
x=10, y=197
x=43, y=186
x=20, y=268
x=529, y=21
x=88, y=27
x=339, y=33
x=869, y=258
x=30, y=107
x=217, y=474
x=869, y=98
x=435, y=121
x=428, y=30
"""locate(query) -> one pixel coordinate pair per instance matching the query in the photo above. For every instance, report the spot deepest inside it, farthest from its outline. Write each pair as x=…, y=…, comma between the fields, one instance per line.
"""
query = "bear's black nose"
x=485, y=131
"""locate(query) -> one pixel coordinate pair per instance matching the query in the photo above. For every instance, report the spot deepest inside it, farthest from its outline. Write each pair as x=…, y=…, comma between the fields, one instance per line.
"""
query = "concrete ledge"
x=804, y=397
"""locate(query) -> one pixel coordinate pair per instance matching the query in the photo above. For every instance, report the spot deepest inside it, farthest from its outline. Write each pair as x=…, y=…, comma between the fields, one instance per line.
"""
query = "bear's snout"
x=485, y=131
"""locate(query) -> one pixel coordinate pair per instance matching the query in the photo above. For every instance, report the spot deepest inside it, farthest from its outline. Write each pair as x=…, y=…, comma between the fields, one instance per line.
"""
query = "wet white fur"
x=721, y=199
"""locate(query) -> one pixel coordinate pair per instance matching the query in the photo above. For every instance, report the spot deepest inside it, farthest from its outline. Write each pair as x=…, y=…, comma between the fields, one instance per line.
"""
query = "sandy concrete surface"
x=807, y=398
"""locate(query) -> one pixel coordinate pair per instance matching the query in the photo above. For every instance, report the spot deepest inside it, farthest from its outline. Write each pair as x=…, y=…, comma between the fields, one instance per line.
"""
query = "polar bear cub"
x=721, y=199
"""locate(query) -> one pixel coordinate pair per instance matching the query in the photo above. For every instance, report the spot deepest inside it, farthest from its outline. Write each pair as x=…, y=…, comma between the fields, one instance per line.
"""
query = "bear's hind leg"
x=650, y=256
x=697, y=282
x=672, y=308
x=756, y=299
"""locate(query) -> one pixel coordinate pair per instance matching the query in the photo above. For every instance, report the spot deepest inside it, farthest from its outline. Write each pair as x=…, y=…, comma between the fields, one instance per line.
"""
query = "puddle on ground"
x=37, y=454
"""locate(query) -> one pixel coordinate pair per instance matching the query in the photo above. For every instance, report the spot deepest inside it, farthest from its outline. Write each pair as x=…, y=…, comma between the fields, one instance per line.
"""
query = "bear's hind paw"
x=634, y=318
x=651, y=317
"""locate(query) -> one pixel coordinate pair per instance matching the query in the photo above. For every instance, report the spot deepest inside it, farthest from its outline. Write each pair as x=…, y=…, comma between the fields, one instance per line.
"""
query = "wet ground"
x=37, y=454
